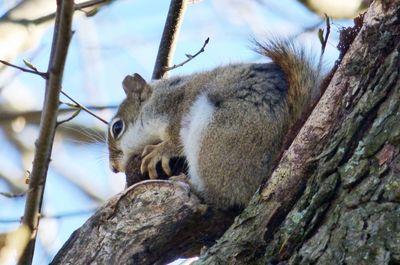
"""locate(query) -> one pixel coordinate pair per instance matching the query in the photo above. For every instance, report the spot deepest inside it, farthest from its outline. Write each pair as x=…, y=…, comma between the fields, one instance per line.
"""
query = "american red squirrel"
x=229, y=123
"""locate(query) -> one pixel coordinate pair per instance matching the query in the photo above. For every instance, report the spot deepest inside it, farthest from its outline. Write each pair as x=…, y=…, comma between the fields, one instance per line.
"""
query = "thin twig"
x=33, y=116
x=169, y=37
x=14, y=74
x=324, y=39
x=189, y=57
x=16, y=195
x=307, y=30
x=12, y=195
x=45, y=76
x=61, y=39
x=84, y=108
x=328, y=31
x=41, y=74
x=69, y=118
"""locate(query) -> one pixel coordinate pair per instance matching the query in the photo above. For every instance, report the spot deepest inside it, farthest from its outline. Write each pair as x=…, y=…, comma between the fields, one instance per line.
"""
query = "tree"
x=333, y=199
x=339, y=177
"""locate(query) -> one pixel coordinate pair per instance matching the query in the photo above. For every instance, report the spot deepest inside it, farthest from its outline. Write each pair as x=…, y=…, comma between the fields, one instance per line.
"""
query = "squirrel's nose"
x=114, y=169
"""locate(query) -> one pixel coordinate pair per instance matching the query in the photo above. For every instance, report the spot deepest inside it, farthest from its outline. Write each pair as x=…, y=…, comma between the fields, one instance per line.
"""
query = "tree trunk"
x=334, y=198
x=349, y=212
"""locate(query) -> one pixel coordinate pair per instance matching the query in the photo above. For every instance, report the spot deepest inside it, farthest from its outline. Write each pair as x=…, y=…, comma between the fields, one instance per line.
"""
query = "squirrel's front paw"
x=152, y=154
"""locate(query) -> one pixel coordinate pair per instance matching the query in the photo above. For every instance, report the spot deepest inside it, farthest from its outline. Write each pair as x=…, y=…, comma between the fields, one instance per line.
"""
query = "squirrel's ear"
x=135, y=85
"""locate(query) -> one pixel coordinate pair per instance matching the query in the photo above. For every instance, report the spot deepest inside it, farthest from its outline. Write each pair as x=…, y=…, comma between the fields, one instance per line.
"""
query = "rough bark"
x=349, y=213
x=152, y=222
x=343, y=210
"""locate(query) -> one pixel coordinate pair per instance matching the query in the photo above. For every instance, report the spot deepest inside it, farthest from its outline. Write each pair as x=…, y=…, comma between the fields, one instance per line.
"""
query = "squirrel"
x=229, y=123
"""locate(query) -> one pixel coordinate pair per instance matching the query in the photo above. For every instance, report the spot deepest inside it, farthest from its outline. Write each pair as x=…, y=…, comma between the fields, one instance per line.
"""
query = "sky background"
x=121, y=39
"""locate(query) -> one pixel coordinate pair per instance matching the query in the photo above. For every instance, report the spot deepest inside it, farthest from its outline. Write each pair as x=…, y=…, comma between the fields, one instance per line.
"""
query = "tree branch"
x=33, y=116
x=61, y=39
x=84, y=108
x=70, y=118
x=152, y=222
x=169, y=37
x=12, y=195
x=189, y=57
x=36, y=72
x=324, y=38
x=45, y=76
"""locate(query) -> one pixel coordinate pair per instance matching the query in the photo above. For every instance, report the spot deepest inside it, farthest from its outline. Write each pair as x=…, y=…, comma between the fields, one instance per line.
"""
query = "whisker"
x=95, y=138
x=100, y=159
x=100, y=137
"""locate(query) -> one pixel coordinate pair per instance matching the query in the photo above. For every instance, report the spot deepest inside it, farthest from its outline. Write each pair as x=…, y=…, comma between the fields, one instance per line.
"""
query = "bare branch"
x=309, y=29
x=41, y=74
x=168, y=219
x=189, y=57
x=12, y=195
x=45, y=76
x=84, y=108
x=324, y=39
x=33, y=116
x=61, y=38
x=169, y=37
x=77, y=111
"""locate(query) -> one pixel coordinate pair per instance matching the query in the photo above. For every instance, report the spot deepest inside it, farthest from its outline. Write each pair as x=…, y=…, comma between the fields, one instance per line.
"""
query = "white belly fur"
x=193, y=125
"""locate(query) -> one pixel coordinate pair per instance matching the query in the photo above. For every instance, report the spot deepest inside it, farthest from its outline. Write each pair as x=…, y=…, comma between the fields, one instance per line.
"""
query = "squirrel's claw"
x=148, y=149
x=165, y=165
x=152, y=154
x=149, y=165
x=152, y=170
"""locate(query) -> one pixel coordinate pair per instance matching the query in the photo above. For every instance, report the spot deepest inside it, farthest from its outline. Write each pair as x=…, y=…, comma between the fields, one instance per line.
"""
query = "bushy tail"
x=302, y=77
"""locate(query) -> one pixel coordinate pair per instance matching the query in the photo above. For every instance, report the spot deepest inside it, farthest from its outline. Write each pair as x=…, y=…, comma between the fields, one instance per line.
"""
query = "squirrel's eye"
x=116, y=128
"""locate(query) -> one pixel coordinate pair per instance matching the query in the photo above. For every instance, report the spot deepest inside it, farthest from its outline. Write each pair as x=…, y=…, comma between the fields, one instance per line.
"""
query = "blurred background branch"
x=83, y=6
x=33, y=116
x=339, y=9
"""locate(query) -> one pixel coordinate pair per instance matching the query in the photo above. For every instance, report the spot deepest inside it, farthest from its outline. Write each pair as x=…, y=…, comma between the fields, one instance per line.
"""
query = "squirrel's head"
x=137, y=93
